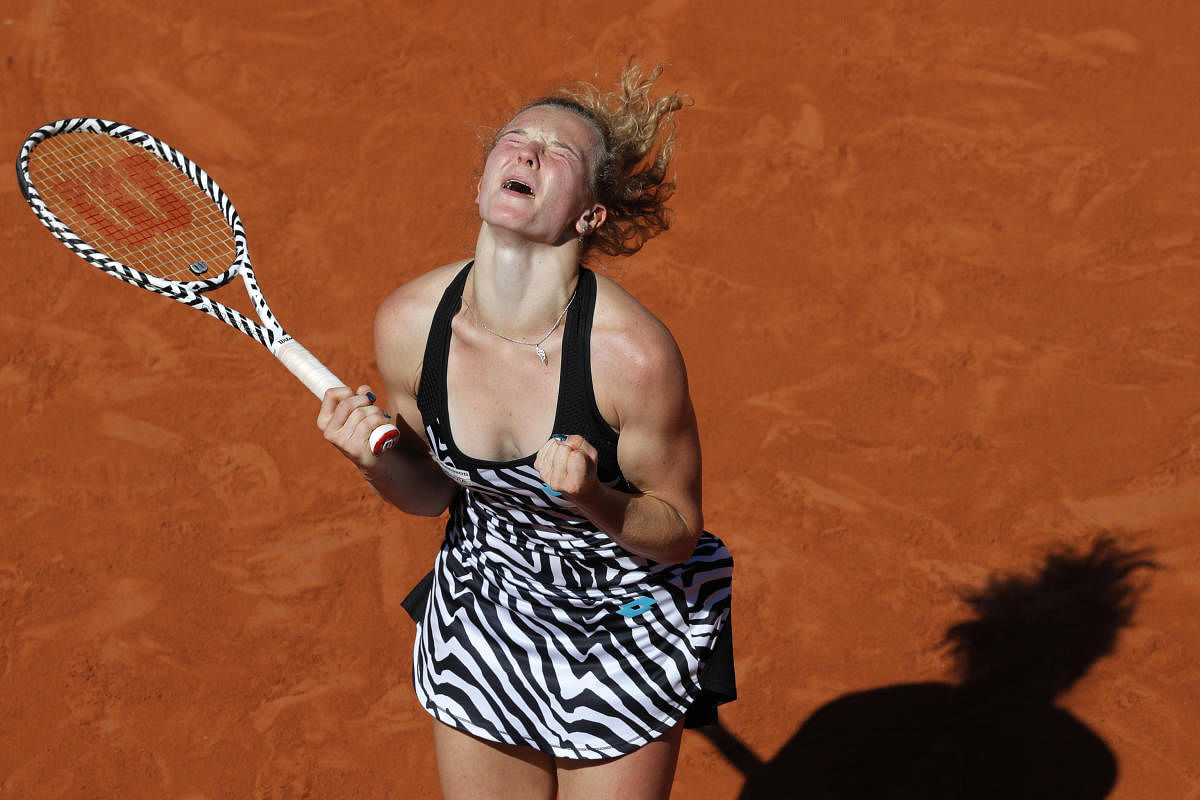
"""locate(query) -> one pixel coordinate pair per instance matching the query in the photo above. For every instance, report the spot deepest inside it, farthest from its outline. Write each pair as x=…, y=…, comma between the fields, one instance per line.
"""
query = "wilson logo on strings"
x=126, y=202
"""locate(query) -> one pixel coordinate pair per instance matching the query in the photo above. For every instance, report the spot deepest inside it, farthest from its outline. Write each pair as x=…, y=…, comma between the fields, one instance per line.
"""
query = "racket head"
x=132, y=205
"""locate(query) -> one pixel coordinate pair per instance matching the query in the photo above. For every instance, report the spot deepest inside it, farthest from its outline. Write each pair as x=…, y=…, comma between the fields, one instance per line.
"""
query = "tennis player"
x=577, y=611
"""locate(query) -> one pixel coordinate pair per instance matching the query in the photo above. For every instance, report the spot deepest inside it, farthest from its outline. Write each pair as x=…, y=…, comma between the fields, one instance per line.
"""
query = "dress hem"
x=573, y=753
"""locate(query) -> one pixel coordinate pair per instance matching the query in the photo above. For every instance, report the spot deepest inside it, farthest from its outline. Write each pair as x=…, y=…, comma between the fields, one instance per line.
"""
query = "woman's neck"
x=520, y=288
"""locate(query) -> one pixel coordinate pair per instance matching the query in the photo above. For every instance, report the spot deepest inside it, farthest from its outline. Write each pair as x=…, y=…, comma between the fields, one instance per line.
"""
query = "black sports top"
x=577, y=412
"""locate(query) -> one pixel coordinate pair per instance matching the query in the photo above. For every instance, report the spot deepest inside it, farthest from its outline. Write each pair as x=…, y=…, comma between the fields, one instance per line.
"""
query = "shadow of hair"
x=996, y=734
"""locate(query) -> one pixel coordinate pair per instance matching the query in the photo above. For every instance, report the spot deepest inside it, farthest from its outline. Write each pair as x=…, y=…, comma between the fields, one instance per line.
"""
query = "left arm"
x=659, y=450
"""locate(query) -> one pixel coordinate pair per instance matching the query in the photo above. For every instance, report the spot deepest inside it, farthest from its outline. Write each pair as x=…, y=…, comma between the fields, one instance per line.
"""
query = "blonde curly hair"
x=630, y=172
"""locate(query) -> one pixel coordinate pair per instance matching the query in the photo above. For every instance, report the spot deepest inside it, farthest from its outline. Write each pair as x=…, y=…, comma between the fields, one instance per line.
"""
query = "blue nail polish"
x=550, y=491
x=558, y=437
x=370, y=397
x=639, y=605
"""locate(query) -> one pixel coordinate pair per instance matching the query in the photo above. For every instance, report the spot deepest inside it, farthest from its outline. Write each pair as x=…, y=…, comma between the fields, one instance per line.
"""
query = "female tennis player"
x=577, y=611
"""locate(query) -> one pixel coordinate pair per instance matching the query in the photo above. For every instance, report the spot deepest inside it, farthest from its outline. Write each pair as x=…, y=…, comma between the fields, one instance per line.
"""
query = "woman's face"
x=536, y=179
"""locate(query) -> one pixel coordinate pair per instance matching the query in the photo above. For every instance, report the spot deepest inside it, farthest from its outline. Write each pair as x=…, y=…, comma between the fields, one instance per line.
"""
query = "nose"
x=529, y=153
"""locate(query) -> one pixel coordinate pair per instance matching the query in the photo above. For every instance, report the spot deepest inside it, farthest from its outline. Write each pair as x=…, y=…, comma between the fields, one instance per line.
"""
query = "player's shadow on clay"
x=995, y=735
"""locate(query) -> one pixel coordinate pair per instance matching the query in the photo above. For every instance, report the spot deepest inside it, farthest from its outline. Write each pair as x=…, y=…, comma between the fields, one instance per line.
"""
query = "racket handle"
x=305, y=366
x=317, y=377
x=383, y=438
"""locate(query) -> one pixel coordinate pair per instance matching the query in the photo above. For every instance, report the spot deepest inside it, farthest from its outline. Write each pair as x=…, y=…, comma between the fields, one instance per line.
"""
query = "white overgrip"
x=305, y=366
x=317, y=377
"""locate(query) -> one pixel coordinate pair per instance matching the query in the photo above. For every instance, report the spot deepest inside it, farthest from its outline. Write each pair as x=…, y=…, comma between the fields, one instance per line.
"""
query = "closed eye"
x=511, y=137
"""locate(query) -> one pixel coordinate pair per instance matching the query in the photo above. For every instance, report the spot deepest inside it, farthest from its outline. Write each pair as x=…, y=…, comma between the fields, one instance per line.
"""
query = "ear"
x=591, y=219
x=478, y=189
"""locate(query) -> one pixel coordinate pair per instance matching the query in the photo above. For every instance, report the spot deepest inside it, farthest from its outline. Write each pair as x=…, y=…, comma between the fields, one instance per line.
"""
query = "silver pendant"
x=541, y=353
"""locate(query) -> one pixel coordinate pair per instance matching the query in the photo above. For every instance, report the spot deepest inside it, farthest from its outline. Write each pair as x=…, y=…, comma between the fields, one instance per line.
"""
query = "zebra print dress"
x=539, y=629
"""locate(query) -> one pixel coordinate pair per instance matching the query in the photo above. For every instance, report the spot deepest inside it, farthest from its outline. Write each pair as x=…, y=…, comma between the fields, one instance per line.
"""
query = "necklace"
x=537, y=346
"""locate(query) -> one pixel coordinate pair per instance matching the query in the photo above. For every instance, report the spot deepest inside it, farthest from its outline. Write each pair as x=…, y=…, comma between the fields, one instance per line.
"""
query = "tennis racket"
x=138, y=209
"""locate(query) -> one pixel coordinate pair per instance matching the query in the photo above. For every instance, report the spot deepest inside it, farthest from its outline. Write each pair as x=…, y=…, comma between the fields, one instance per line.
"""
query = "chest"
x=501, y=398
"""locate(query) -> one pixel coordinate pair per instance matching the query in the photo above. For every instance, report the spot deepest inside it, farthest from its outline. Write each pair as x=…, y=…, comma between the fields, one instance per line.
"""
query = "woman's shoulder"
x=425, y=289
x=403, y=320
x=410, y=306
x=627, y=337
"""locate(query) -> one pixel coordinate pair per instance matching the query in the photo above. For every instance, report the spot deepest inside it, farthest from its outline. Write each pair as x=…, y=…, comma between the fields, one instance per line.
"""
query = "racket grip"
x=305, y=366
x=317, y=377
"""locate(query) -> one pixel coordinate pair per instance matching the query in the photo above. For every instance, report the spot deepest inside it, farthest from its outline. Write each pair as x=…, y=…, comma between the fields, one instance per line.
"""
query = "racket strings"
x=132, y=206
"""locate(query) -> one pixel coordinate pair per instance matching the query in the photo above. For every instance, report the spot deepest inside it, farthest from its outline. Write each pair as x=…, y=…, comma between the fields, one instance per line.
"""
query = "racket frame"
x=189, y=293
x=270, y=333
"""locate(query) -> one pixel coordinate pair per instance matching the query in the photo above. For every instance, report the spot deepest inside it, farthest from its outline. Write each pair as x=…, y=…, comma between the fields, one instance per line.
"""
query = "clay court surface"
x=934, y=271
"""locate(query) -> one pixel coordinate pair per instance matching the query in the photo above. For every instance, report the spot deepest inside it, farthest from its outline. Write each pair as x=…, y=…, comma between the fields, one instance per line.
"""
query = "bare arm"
x=405, y=476
x=659, y=449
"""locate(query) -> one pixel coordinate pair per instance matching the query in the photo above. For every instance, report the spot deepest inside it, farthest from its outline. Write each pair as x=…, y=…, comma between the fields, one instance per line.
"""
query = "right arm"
x=405, y=476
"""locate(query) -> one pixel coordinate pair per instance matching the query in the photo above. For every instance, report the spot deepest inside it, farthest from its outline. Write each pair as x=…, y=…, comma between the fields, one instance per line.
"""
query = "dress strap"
x=431, y=394
x=577, y=409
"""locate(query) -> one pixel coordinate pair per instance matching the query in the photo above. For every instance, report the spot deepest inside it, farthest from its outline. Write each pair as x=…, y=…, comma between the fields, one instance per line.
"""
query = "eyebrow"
x=552, y=142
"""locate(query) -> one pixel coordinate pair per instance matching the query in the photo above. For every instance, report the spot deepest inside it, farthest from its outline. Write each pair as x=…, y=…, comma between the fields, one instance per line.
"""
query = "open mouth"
x=520, y=187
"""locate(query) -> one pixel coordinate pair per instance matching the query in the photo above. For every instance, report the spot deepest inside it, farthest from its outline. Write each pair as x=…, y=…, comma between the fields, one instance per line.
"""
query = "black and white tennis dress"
x=534, y=627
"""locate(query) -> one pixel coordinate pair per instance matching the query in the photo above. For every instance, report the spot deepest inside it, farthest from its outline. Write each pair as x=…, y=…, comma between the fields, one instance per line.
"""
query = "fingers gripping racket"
x=140, y=210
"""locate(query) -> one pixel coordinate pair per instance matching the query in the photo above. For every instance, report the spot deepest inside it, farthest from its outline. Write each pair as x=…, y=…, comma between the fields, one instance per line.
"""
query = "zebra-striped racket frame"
x=303, y=364
x=270, y=333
